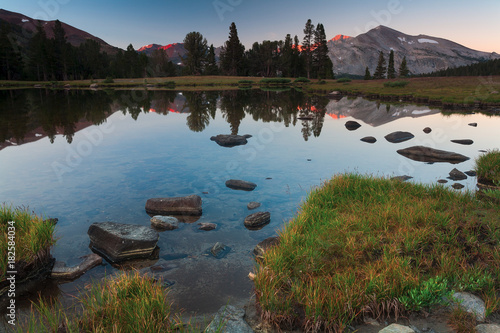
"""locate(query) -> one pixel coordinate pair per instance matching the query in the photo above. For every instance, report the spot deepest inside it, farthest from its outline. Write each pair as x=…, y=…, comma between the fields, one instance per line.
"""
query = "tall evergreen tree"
x=38, y=55
x=391, y=71
x=211, y=68
x=297, y=61
x=232, y=53
x=11, y=64
x=286, y=56
x=196, y=56
x=323, y=67
x=60, y=52
x=307, y=46
x=368, y=76
x=381, y=69
x=403, y=68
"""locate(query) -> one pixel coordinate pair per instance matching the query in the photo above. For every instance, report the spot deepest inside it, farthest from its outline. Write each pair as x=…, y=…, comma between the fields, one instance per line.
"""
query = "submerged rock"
x=426, y=154
x=219, y=250
x=62, y=272
x=164, y=222
x=231, y=319
x=352, y=125
x=253, y=205
x=119, y=242
x=397, y=137
x=463, y=141
x=207, y=226
x=456, y=174
x=401, y=178
x=230, y=140
x=236, y=184
x=257, y=220
x=189, y=205
x=369, y=139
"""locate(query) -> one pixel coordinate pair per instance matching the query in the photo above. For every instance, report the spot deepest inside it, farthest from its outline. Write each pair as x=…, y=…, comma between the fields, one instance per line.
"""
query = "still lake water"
x=93, y=156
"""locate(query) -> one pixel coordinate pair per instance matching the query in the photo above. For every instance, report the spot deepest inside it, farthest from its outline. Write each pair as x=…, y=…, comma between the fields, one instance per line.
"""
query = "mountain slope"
x=424, y=54
x=74, y=36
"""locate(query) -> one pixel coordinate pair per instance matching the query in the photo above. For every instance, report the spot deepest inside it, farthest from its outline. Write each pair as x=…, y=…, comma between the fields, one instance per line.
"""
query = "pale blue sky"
x=473, y=24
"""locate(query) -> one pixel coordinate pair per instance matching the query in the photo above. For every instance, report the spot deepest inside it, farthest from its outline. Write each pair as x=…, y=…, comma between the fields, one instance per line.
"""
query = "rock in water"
x=229, y=140
x=253, y=205
x=399, y=136
x=427, y=130
x=207, y=226
x=369, y=139
x=426, y=154
x=473, y=124
x=164, y=222
x=190, y=205
x=463, y=141
x=257, y=220
x=62, y=272
x=119, y=242
x=456, y=174
x=352, y=125
x=263, y=246
x=231, y=319
x=401, y=178
x=236, y=184
x=457, y=186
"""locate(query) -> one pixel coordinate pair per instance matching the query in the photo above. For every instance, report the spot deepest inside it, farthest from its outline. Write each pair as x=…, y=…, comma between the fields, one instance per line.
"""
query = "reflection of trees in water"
x=58, y=111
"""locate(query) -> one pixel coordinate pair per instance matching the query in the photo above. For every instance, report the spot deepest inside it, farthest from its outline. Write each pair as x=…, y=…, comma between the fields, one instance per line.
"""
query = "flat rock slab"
x=230, y=140
x=257, y=220
x=369, y=139
x=397, y=137
x=62, y=272
x=396, y=328
x=119, y=242
x=426, y=154
x=352, y=125
x=189, y=205
x=243, y=185
x=231, y=319
x=466, y=142
x=161, y=222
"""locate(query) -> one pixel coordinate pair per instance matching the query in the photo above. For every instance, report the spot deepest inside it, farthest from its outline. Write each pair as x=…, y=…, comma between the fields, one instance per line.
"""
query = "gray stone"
x=457, y=186
x=164, y=222
x=466, y=142
x=352, y=125
x=471, y=173
x=62, y=272
x=230, y=319
x=257, y=220
x=253, y=205
x=118, y=242
x=427, y=130
x=397, y=137
x=442, y=181
x=207, y=226
x=261, y=248
x=473, y=124
x=396, y=328
x=426, y=154
x=369, y=139
x=488, y=328
x=471, y=304
x=189, y=205
x=229, y=140
x=401, y=178
x=219, y=250
x=456, y=174
x=236, y=184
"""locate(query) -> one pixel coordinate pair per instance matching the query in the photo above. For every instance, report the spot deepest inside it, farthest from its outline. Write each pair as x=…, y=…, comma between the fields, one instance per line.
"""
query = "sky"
x=474, y=24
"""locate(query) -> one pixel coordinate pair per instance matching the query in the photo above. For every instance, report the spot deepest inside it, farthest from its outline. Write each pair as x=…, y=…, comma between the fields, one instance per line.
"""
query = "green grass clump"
x=487, y=167
x=109, y=79
x=343, y=80
x=127, y=303
x=245, y=82
x=275, y=81
x=396, y=84
x=301, y=80
x=30, y=235
x=368, y=246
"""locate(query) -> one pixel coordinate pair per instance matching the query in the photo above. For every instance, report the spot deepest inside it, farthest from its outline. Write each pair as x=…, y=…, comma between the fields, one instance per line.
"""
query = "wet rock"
x=159, y=272
x=471, y=173
x=62, y=272
x=189, y=205
x=257, y=220
x=466, y=142
x=442, y=181
x=231, y=319
x=401, y=178
x=243, y=185
x=473, y=124
x=488, y=328
x=219, y=250
x=164, y=222
x=397, y=137
x=207, y=226
x=119, y=242
x=230, y=140
x=396, y=328
x=456, y=174
x=352, y=125
x=457, y=186
x=427, y=130
x=471, y=304
x=369, y=139
x=263, y=246
x=426, y=154
x=253, y=205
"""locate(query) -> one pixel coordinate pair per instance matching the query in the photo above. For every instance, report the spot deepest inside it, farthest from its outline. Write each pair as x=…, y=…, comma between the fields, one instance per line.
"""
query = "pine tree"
x=297, y=66
x=391, y=71
x=211, y=68
x=286, y=56
x=307, y=46
x=403, y=68
x=231, y=56
x=368, y=76
x=381, y=69
x=38, y=55
x=11, y=66
x=322, y=63
x=196, y=56
x=60, y=52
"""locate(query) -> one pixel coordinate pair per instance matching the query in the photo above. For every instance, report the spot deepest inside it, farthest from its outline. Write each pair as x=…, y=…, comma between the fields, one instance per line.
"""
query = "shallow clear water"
x=129, y=146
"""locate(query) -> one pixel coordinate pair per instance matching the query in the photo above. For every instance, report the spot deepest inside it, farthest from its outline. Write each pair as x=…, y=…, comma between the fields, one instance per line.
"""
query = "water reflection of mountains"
x=29, y=115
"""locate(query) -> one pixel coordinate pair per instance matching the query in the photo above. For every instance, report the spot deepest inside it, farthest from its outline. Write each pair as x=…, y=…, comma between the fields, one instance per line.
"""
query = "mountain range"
x=350, y=55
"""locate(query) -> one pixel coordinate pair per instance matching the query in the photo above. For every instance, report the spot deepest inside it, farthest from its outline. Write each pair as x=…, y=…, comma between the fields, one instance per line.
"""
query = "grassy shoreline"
x=441, y=91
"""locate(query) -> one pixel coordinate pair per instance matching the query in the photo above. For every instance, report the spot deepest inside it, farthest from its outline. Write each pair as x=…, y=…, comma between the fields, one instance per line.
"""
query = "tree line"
x=382, y=71
x=485, y=68
x=55, y=59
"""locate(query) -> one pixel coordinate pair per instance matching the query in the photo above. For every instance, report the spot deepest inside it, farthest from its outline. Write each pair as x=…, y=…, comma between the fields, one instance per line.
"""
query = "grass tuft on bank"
x=371, y=246
x=26, y=237
x=487, y=167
